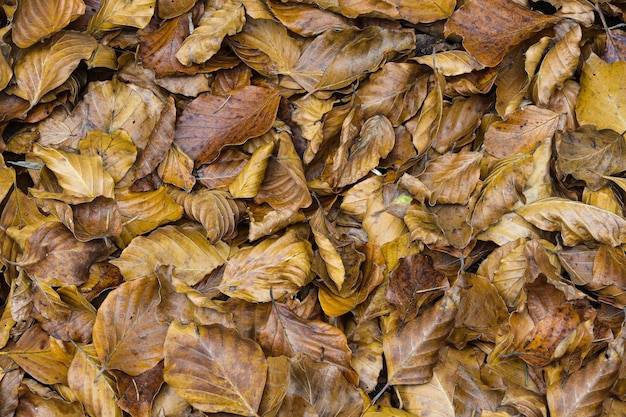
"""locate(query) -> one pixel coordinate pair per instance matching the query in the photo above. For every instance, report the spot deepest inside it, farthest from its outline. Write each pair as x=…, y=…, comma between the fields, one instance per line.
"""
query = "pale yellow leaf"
x=248, y=182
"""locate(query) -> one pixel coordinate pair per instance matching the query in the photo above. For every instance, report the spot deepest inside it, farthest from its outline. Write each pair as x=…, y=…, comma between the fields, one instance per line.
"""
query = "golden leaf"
x=266, y=46
x=304, y=19
x=127, y=320
x=248, y=182
x=336, y=58
x=204, y=366
x=424, y=127
x=82, y=177
x=46, y=66
x=558, y=65
x=177, y=169
x=95, y=391
x=117, y=150
x=184, y=247
x=216, y=210
x=309, y=113
x=114, y=14
x=577, y=222
x=145, y=211
x=602, y=93
x=37, y=19
x=207, y=37
x=451, y=63
x=277, y=265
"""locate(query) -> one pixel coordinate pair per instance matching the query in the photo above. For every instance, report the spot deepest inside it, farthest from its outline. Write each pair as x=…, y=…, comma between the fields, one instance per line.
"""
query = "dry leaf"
x=210, y=122
x=203, y=364
x=36, y=19
x=114, y=14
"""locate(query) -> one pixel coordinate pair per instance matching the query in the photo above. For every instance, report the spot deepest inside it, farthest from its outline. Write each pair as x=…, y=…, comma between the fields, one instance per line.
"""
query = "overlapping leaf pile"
x=266, y=208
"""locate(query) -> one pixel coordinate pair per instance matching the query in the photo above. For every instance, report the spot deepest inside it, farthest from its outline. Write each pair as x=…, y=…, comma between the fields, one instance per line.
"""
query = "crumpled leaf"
x=211, y=122
x=584, y=391
x=183, y=246
x=204, y=366
x=127, y=320
x=490, y=29
x=336, y=58
x=323, y=386
x=601, y=95
x=54, y=256
x=216, y=210
x=577, y=222
x=286, y=333
x=46, y=66
x=589, y=154
x=266, y=46
x=207, y=37
x=37, y=19
x=275, y=267
x=306, y=20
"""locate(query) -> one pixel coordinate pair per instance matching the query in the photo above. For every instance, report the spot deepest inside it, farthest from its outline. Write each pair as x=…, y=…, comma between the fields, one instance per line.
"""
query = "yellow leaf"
x=127, y=320
x=277, y=266
x=424, y=127
x=177, y=169
x=117, y=150
x=143, y=212
x=248, y=182
x=558, y=66
x=37, y=19
x=577, y=222
x=602, y=95
x=82, y=177
x=185, y=247
x=48, y=65
x=95, y=391
x=214, y=26
x=114, y=14
x=451, y=63
x=209, y=366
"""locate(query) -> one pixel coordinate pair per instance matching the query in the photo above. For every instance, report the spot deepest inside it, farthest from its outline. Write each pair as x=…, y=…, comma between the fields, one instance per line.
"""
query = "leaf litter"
x=289, y=208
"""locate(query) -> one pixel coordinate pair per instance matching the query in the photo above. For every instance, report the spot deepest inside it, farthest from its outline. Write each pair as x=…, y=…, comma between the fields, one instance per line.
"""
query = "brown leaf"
x=53, y=255
x=452, y=177
x=336, y=58
x=584, y=391
x=521, y=132
x=412, y=351
x=491, y=29
x=37, y=19
x=168, y=9
x=203, y=129
x=396, y=91
x=304, y=19
x=324, y=386
x=222, y=171
x=126, y=320
x=588, y=154
x=413, y=283
x=137, y=392
x=204, y=366
x=285, y=333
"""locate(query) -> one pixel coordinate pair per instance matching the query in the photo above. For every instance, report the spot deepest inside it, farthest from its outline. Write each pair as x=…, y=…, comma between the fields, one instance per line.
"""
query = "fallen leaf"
x=210, y=122
x=35, y=20
x=201, y=364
